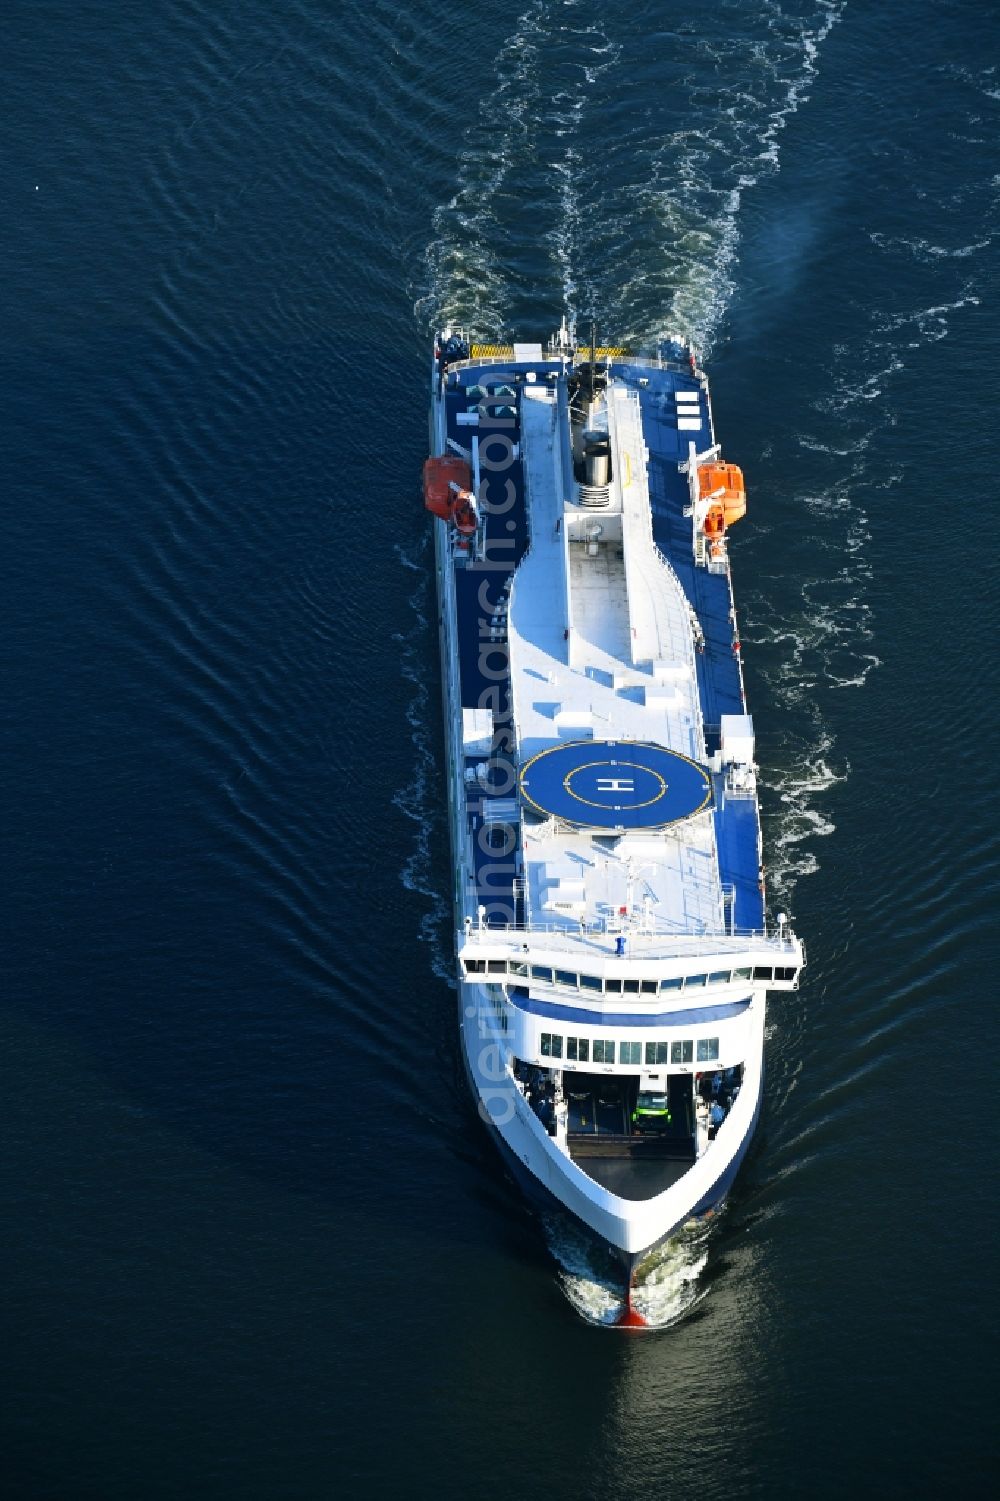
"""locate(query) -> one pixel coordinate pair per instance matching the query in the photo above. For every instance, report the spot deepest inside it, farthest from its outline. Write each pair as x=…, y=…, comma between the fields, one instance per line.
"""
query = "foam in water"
x=802, y=820
x=467, y=281
x=930, y=324
x=829, y=643
x=922, y=249
x=666, y=1288
x=637, y=213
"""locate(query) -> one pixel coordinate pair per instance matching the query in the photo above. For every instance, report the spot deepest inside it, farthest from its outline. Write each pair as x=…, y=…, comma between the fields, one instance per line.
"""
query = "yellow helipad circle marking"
x=551, y=750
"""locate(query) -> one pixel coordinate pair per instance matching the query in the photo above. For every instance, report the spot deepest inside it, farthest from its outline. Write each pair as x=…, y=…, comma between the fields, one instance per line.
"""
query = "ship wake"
x=569, y=200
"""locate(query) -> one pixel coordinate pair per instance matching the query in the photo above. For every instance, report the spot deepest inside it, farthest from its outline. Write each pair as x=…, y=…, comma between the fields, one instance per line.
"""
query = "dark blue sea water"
x=254, y=1243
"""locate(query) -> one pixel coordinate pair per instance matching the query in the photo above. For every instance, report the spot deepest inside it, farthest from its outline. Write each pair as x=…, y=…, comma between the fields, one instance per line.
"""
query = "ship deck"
x=482, y=590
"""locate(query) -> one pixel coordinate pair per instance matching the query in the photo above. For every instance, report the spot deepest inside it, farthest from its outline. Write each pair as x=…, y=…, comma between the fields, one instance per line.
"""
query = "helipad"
x=615, y=784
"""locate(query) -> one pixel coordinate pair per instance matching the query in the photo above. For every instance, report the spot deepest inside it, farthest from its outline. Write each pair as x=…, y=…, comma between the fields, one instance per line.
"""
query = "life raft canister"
x=440, y=474
x=724, y=484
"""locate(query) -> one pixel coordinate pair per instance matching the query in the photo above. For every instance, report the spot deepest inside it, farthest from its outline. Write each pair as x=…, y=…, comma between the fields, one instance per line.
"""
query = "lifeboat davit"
x=723, y=485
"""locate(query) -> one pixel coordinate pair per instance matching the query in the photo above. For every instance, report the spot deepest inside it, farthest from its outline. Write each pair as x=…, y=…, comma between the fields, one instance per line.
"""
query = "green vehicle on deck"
x=652, y=1111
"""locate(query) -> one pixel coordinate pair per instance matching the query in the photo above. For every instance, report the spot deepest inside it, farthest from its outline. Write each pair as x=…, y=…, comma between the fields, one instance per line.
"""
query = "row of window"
x=499, y=1007
x=596, y=1050
x=570, y=980
x=602, y=1050
x=706, y=1050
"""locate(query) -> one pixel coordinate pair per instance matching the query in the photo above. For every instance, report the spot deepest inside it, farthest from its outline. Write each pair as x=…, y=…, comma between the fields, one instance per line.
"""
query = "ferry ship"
x=613, y=949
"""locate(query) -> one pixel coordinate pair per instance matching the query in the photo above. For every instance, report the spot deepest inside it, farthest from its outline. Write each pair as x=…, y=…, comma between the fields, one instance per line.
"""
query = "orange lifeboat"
x=723, y=484
x=444, y=478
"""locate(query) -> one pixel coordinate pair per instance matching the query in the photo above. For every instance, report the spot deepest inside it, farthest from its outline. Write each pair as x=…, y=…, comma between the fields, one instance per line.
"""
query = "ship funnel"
x=597, y=458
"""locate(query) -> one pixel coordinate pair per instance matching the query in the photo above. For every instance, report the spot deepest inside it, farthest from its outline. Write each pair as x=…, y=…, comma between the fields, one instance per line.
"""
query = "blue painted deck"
x=479, y=588
x=736, y=820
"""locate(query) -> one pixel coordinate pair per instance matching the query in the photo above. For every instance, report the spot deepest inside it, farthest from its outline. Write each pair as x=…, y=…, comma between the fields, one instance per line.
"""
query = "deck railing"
x=640, y=943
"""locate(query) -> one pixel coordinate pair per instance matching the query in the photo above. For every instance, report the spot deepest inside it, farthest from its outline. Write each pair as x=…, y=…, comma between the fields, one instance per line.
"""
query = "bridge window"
x=763, y=974
x=630, y=1052
x=742, y=974
x=475, y=966
x=708, y=1049
x=784, y=974
x=551, y=1045
x=578, y=1049
x=591, y=982
x=498, y=966
x=631, y=987
x=517, y=968
x=613, y=987
x=657, y=1052
x=695, y=982
x=682, y=1052
x=648, y=987
x=674, y=983
x=720, y=977
x=604, y=1050
x=541, y=972
x=563, y=977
